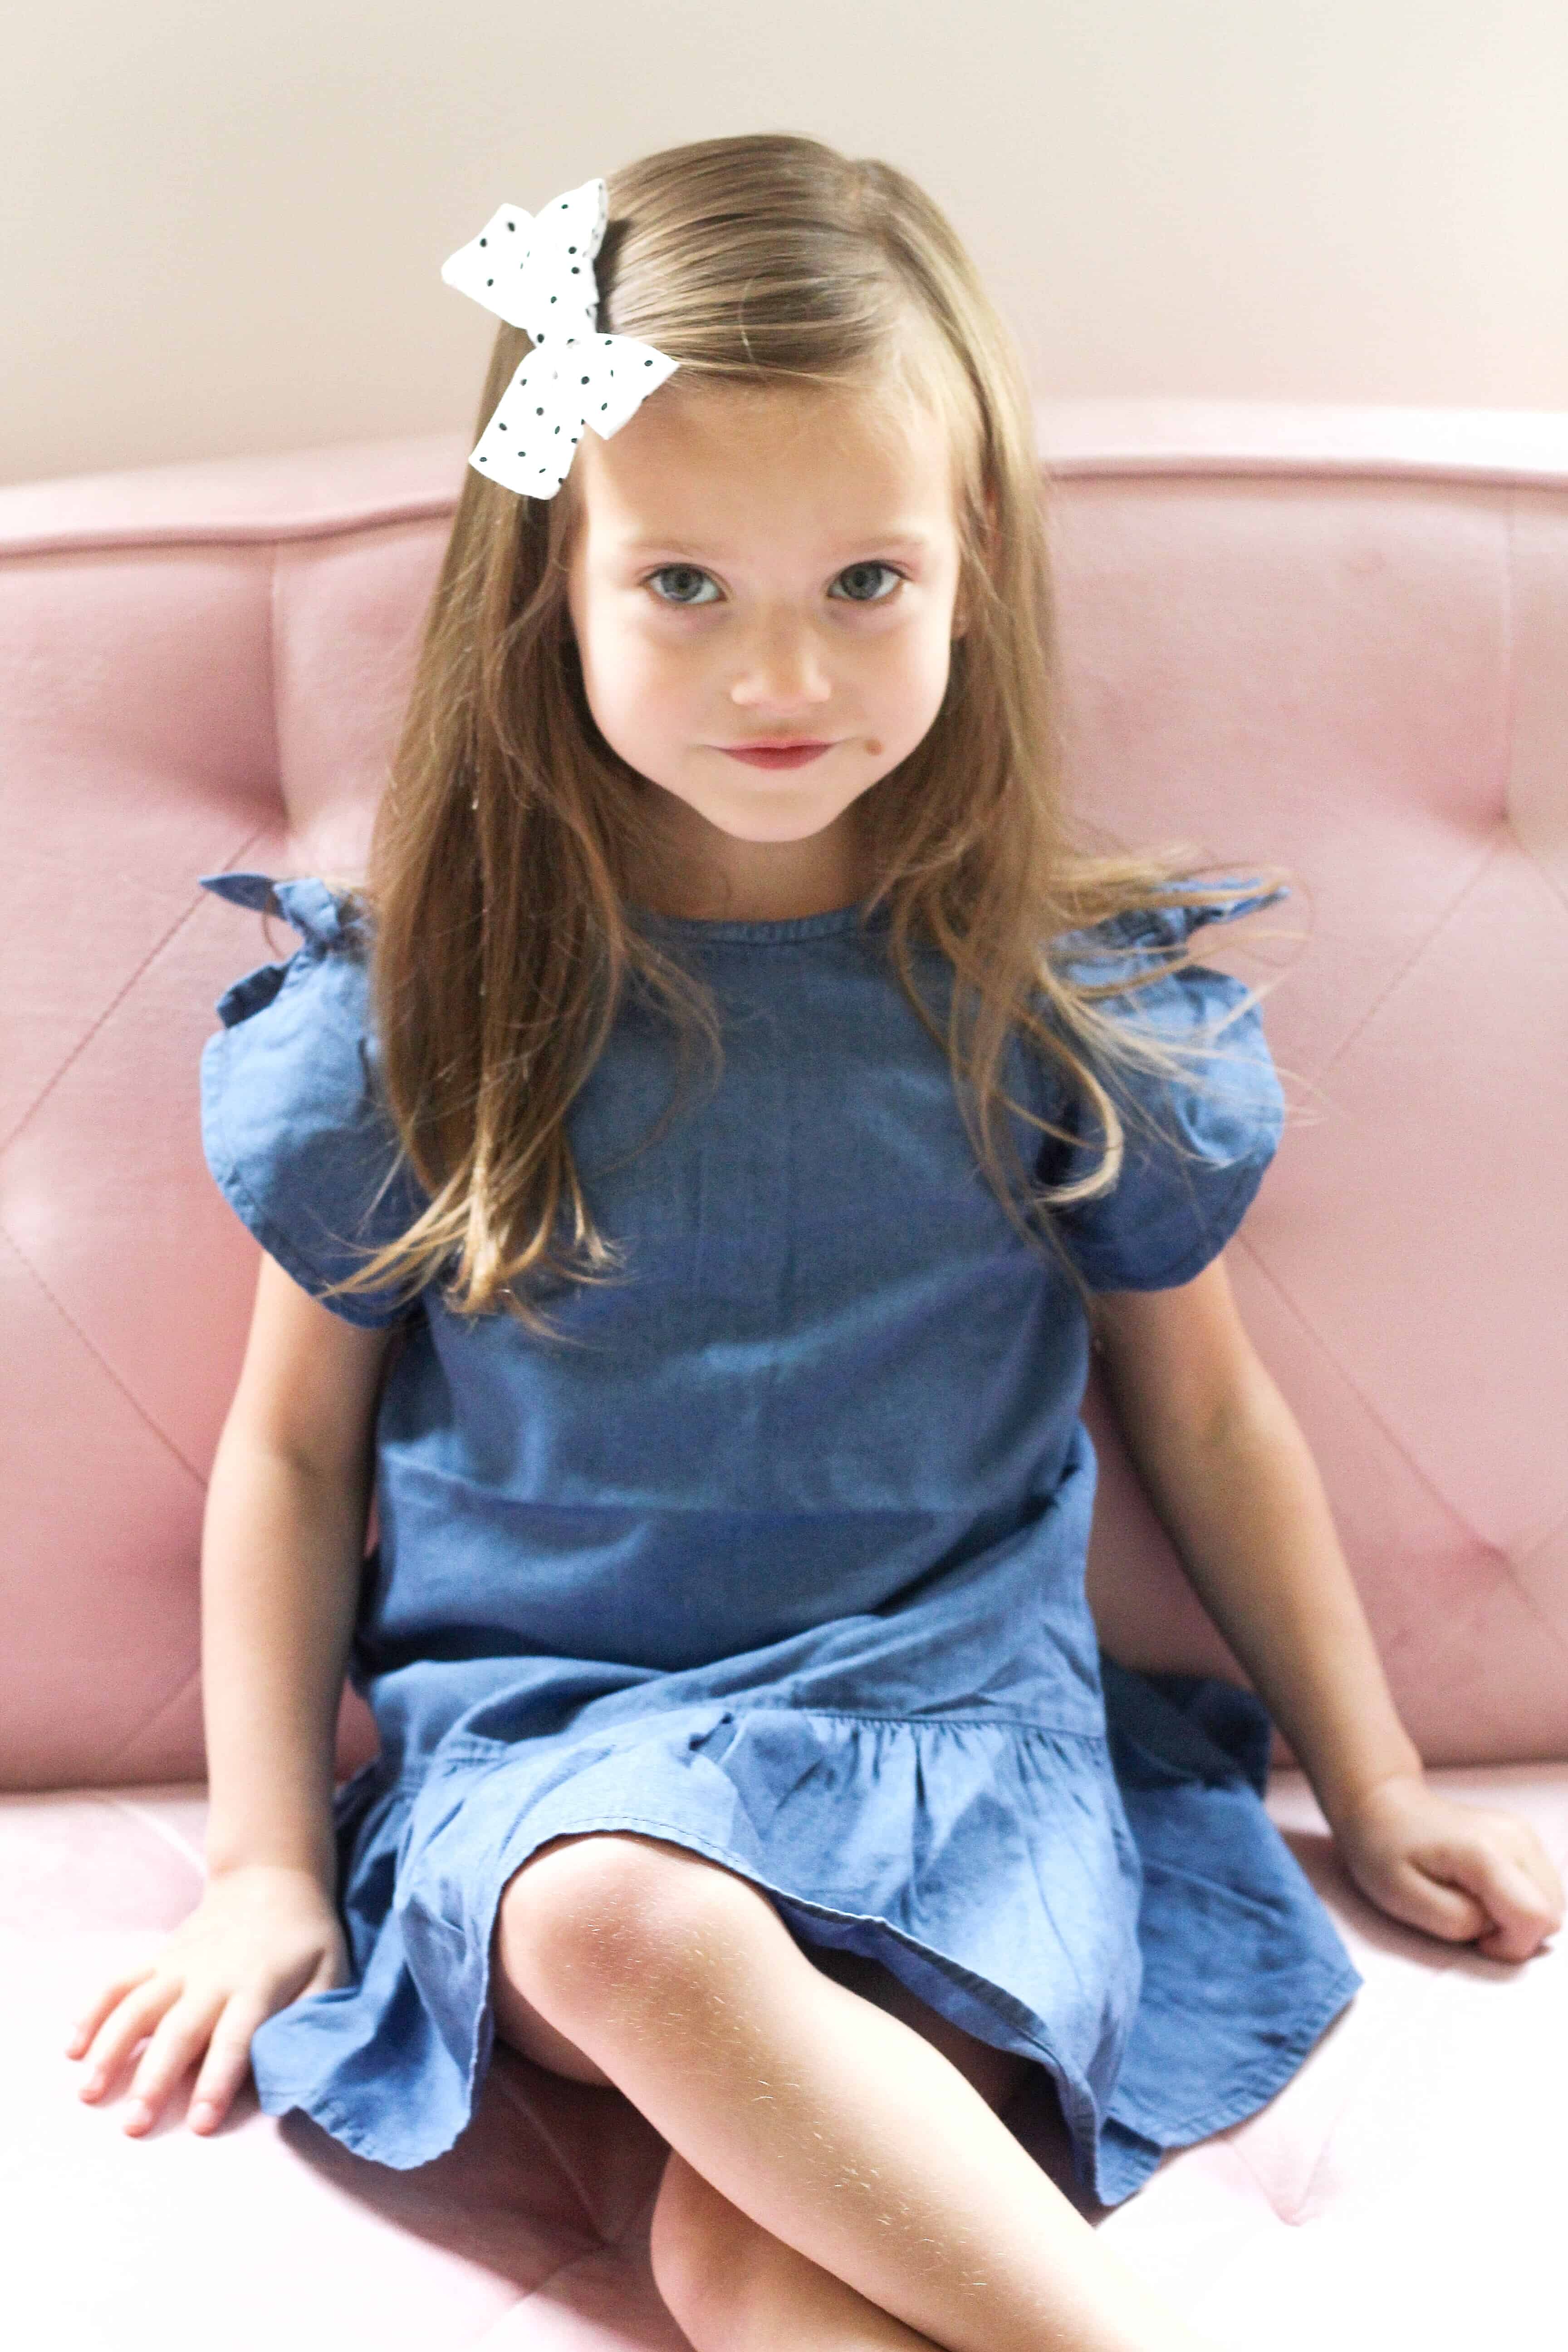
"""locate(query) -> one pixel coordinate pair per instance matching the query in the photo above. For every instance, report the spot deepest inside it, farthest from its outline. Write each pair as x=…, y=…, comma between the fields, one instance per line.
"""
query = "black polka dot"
x=500, y=428
x=484, y=240
x=490, y=281
x=539, y=412
x=584, y=379
x=648, y=363
x=571, y=248
x=484, y=461
x=602, y=406
x=512, y=224
x=553, y=297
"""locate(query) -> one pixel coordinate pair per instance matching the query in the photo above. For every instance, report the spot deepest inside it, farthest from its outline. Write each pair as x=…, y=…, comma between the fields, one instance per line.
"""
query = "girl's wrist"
x=273, y=1809
x=316, y=1859
x=1344, y=1804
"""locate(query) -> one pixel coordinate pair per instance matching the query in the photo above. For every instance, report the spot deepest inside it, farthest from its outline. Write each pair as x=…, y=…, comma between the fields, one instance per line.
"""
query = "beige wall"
x=225, y=222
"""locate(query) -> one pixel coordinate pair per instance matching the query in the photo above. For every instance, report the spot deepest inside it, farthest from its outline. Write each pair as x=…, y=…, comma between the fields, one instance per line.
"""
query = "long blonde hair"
x=505, y=845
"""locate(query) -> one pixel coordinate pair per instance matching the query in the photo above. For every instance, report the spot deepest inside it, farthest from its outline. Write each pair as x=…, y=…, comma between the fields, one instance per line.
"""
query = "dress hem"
x=1252, y=2094
x=1121, y=2156
x=1248, y=2101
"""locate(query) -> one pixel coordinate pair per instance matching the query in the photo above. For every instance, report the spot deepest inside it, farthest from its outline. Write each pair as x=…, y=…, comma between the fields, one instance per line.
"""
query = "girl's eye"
x=687, y=577
x=861, y=581
x=683, y=584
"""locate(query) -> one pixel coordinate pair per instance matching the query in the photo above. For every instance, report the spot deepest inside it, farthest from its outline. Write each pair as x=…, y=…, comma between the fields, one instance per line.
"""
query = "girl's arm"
x=281, y=1548
x=1233, y=1482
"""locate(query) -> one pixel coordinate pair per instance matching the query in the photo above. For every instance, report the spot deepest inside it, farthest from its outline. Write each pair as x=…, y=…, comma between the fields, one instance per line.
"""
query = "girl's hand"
x=1462, y=1872
x=261, y=1936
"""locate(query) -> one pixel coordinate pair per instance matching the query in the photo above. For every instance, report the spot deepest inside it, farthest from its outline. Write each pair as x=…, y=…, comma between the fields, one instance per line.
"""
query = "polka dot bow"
x=537, y=272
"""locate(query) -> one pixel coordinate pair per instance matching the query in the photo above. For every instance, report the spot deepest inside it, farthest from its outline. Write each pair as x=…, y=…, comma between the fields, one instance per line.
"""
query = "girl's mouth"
x=775, y=755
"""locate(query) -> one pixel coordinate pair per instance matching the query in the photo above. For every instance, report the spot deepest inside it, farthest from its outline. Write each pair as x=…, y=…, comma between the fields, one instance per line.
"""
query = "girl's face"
x=755, y=568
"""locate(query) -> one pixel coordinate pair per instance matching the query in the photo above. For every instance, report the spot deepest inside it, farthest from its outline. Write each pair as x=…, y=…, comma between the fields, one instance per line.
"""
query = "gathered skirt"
x=1120, y=1911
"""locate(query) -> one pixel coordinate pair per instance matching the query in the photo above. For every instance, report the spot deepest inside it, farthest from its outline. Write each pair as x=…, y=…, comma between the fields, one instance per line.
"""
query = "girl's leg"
x=828, y=2123
x=732, y=2285
x=735, y=2287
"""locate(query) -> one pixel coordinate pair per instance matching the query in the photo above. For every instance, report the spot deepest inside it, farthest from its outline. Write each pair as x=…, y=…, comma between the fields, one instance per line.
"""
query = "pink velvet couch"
x=1335, y=639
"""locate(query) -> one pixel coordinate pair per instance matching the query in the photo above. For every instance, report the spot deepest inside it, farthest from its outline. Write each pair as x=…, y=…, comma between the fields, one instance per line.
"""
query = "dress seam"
x=483, y=1751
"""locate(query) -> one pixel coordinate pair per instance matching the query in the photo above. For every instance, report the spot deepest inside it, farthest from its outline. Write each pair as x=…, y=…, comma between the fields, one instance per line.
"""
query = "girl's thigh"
x=994, y=2073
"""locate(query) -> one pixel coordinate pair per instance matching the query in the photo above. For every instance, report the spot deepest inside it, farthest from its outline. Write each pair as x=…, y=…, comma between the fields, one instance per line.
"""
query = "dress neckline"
x=779, y=932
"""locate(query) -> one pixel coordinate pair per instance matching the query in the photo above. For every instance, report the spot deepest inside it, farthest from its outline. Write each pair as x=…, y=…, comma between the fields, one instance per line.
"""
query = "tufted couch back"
x=1334, y=639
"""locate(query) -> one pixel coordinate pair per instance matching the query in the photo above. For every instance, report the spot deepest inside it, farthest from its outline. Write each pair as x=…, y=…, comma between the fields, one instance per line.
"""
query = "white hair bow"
x=537, y=273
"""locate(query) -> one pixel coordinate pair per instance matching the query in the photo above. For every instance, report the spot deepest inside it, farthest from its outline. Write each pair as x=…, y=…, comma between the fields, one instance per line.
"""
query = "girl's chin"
x=768, y=810
x=775, y=816
x=763, y=829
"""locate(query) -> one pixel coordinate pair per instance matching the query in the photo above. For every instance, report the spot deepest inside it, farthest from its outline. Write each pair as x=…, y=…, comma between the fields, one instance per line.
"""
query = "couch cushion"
x=1327, y=636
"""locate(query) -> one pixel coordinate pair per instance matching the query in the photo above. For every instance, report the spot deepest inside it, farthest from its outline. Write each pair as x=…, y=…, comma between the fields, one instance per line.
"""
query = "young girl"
x=749, y=1101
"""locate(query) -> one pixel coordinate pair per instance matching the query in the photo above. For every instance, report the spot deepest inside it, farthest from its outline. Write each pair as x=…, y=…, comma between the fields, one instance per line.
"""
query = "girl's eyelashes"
x=689, y=576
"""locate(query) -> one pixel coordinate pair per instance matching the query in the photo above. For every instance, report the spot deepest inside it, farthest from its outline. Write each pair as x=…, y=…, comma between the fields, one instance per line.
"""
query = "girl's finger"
x=1522, y=1912
x=225, y=2066
x=137, y=2014
x=1442, y=1907
x=1543, y=1875
x=89, y=2020
x=1521, y=1870
x=1503, y=1910
x=180, y=2038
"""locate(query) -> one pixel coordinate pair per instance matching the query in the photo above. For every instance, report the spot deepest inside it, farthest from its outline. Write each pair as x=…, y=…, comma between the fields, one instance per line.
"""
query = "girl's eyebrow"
x=904, y=542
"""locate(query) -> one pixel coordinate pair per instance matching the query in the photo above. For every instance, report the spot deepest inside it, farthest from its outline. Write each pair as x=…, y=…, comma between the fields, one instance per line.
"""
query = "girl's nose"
x=781, y=667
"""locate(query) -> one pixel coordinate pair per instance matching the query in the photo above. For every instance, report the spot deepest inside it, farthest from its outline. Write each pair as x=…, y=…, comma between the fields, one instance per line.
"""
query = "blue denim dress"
x=782, y=1559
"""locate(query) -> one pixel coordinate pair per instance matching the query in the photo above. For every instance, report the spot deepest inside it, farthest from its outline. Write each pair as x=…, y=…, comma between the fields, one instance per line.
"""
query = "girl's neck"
x=706, y=875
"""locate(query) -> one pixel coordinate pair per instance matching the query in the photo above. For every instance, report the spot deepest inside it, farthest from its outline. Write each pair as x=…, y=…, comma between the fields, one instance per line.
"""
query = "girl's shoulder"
x=1187, y=1067
x=294, y=1127
x=328, y=922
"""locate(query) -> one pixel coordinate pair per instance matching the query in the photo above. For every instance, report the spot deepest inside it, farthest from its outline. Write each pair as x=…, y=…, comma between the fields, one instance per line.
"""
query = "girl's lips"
x=793, y=755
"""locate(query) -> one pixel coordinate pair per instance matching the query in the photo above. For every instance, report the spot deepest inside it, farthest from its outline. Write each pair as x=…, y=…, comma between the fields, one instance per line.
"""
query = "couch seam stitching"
x=85, y=1040
x=144, y=1814
x=1502, y=834
x=102, y=1361
x=1287, y=1299
x=1494, y=1552
x=569, y=2262
x=169, y=1699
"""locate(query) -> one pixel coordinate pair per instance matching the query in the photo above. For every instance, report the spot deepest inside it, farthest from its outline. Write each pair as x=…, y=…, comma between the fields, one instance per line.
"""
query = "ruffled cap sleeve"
x=1196, y=1146
x=294, y=1125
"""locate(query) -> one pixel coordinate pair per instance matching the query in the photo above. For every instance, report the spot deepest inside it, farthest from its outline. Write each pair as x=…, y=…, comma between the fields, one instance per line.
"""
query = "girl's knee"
x=611, y=1912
